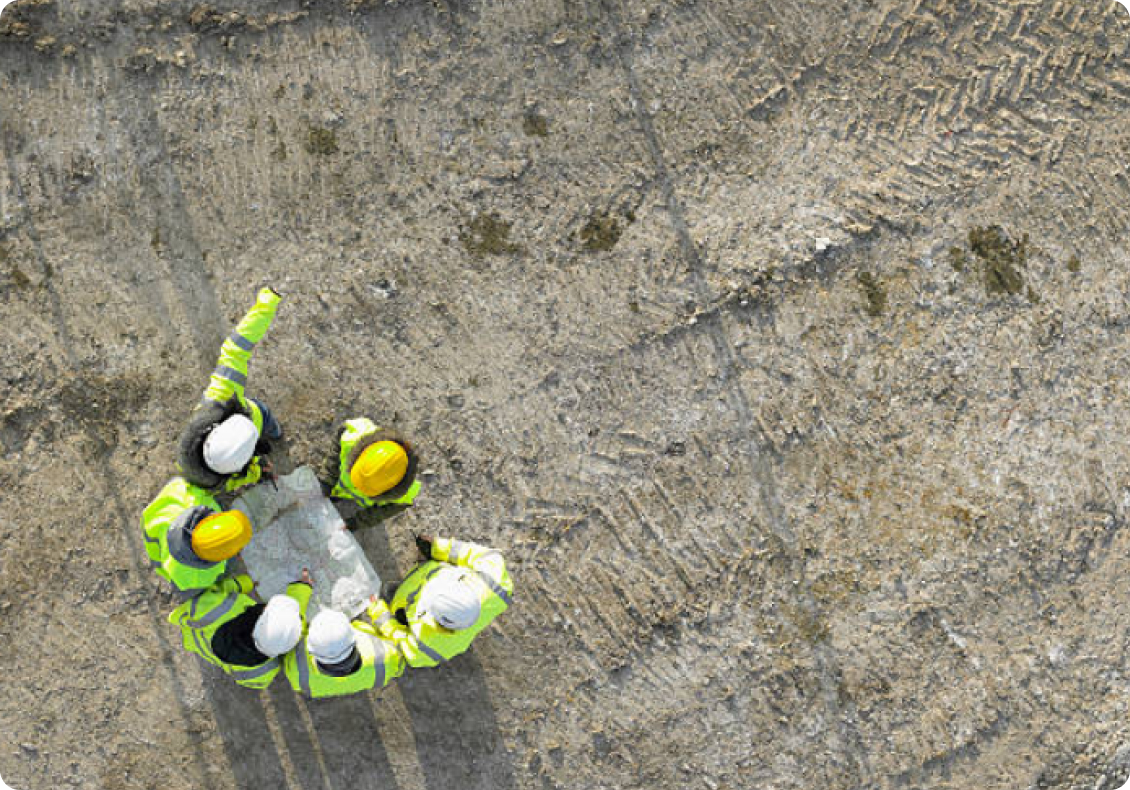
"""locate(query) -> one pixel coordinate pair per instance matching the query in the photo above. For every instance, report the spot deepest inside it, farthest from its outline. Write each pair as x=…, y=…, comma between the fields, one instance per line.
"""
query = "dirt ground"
x=782, y=347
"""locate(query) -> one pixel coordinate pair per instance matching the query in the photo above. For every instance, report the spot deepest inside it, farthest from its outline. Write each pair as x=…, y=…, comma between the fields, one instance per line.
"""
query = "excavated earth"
x=781, y=345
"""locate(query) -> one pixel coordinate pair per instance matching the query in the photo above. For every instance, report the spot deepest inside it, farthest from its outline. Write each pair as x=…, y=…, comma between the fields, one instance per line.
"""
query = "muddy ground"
x=781, y=346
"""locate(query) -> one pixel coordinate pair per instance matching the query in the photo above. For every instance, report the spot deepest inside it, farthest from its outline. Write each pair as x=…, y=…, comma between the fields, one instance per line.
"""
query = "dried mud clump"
x=322, y=142
x=1002, y=259
x=874, y=294
x=143, y=59
x=206, y=18
x=488, y=234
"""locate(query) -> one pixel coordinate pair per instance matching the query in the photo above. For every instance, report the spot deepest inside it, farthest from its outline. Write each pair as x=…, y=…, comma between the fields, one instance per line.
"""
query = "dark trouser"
x=272, y=431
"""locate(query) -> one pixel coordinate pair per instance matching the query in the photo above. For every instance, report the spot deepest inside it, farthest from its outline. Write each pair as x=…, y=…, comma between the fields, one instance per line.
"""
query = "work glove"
x=378, y=612
x=250, y=476
x=424, y=545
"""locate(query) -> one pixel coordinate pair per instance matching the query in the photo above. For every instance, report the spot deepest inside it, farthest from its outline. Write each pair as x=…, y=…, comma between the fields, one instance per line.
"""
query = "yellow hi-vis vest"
x=424, y=642
x=199, y=618
x=380, y=665
x=228, y=380
x=175, y=498
x=356, y=430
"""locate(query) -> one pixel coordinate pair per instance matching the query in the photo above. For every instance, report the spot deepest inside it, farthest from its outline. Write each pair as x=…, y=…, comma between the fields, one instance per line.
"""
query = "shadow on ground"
x=335, y=744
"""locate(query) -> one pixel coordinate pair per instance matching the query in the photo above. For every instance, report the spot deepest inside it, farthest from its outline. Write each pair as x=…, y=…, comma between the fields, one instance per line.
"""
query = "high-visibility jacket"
x=360, y=433
x=423, y=642
x=225, y=397
x=178, y=505
x=200, y=617
x=381, y=663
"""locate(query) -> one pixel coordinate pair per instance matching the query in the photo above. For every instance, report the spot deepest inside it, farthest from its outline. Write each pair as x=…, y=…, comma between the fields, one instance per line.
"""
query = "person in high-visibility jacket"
x=445, y=602
x=375, y=468
x=188, y=538
x=341, y=657
x=244, y=638
x=227, y=432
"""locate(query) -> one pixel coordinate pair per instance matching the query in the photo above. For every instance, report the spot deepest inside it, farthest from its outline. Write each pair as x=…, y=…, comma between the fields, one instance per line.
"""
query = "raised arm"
x=486, y=562
x=230, y=376
x=405, y=642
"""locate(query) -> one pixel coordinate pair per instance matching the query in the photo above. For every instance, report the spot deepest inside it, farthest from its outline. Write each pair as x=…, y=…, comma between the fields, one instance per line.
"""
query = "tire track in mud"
x=194, y=295
x=102, y=470
x=729, y=365
x=185, y=297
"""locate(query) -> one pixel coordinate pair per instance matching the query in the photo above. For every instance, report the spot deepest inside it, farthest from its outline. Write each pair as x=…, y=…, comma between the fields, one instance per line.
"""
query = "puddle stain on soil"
x=1002, y=259
x=535, y=125
x=602, y=231
x=874, y=293
x=322, y=142
x=488, y=234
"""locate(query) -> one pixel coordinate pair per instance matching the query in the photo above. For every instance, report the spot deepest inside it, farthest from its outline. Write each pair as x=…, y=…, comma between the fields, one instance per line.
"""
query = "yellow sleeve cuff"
x=441, y=549
x=254, y=472
x=268, y=298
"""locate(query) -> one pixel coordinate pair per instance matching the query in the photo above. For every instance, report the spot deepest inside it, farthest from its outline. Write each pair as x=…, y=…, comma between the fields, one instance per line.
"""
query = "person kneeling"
x=339, y=657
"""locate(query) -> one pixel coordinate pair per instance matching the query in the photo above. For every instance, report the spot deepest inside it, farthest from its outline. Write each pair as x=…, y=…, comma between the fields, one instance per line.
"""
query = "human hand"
x=306, y=577
x=377, y=609
x=267, y=471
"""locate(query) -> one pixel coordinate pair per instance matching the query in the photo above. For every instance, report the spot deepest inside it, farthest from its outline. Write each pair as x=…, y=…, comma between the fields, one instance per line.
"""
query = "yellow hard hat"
x=221, y=535
x=380, y=467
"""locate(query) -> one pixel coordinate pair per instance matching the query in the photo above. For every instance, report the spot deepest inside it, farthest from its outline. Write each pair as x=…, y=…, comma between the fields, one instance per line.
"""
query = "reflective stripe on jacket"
x=200, y=617
x=425, y=643
x=358, y=430
x=381, y=663
x=230, y=375
x=225, y=396
x=172, y=504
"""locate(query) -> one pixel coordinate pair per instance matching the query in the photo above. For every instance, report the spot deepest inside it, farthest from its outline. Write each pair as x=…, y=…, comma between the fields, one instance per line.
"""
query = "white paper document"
x=296, y=527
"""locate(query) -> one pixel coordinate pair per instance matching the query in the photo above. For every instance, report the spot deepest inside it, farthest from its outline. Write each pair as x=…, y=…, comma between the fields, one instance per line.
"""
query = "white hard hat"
x=331, y=637
x=230, y=445
x=451, y=600
x=279, y=627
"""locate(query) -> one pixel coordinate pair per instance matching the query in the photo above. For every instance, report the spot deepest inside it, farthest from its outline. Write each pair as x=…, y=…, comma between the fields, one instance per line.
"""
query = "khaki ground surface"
x=802, y=486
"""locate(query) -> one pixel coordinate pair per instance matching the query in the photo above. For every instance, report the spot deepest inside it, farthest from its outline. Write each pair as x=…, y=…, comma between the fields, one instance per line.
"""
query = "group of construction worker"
x=428, y=618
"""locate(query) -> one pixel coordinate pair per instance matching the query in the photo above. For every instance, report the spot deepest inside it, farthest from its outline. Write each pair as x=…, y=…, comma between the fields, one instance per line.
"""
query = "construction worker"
x=221, y=445
x=441, y=606
x=341, y=657
x=188, y=538
x=244, y=638
x=375, y=469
